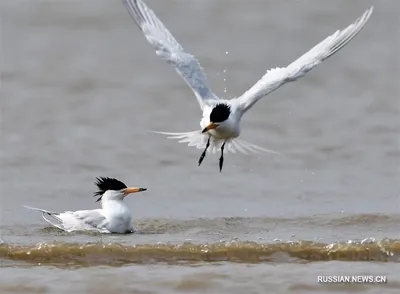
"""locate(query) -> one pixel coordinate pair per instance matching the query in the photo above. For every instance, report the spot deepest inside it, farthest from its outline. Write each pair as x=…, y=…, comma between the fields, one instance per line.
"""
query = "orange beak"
x=133, y=190
x=210, y=127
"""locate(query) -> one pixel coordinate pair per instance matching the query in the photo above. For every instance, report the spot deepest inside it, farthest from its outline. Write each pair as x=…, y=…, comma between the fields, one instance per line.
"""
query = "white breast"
x=118, y=216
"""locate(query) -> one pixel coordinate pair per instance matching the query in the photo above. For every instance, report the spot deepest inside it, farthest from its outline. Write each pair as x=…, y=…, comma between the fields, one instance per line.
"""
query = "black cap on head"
x=104, y=184
x=220, y=113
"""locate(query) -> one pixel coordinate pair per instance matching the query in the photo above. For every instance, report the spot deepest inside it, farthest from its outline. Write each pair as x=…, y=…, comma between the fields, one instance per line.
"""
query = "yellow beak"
x=210, y=127
x=133, y=190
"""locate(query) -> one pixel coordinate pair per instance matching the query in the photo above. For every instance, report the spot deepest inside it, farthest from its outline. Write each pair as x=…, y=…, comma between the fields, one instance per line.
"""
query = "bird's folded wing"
x=274, y=78
x=90, y=217
x=170, y=50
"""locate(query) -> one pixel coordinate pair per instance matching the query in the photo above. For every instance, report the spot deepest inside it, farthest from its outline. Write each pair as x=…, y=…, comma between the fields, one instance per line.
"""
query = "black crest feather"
x=220, y=113
x=105, y=183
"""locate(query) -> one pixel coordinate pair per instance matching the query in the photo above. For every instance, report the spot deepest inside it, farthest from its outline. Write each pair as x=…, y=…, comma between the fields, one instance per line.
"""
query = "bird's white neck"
x=114, y=206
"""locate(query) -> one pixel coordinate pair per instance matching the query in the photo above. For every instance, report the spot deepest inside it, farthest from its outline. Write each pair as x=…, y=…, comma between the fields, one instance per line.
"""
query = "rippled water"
x=65, y=254
x=80, y=88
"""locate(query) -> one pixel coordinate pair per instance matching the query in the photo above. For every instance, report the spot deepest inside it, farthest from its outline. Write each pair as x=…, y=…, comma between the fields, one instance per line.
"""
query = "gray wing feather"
x=90, y=217
x=170, y=50
x=274, y=78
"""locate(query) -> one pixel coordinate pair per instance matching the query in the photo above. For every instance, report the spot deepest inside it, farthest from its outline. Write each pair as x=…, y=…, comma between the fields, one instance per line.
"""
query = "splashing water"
x=224, y=73
x=225, y=70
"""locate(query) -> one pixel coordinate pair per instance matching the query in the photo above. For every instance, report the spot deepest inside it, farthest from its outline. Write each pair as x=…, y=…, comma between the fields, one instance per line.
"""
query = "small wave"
x=113, y=254
x=365, y=219
x=242, y=224
x=160, y=226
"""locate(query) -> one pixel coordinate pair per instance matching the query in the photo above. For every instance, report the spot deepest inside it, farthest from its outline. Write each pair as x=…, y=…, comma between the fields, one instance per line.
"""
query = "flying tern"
x=220, y=124
x=113, y=217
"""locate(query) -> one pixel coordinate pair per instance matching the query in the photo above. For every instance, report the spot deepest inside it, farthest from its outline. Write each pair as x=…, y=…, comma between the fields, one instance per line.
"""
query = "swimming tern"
x=220, y=124
x=113, y=217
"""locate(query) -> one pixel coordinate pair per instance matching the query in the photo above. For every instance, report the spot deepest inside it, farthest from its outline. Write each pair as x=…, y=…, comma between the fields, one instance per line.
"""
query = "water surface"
x=81, y=87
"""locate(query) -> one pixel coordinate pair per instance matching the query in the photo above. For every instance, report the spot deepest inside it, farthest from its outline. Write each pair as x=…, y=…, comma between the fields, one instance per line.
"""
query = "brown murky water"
x=80, y=88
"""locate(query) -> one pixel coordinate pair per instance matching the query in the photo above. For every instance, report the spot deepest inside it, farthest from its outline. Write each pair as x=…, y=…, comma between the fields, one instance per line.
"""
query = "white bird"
x=220, y=123
x=114, y=217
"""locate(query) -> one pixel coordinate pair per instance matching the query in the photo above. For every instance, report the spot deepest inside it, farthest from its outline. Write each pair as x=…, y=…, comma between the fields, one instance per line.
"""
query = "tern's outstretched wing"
x=276, y=77
x=170, y=50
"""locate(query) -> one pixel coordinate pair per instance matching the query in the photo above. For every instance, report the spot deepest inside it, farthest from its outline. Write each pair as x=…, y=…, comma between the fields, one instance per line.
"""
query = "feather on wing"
x=74, y=220
x=276, y=77
x=170, y=50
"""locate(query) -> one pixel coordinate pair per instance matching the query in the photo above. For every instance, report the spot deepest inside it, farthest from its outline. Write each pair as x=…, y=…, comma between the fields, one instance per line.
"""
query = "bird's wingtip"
x=369, y=10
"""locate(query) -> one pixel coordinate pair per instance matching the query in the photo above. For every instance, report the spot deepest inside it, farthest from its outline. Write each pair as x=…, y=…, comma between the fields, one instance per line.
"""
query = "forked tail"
x=199, y=139
x=49, y=216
